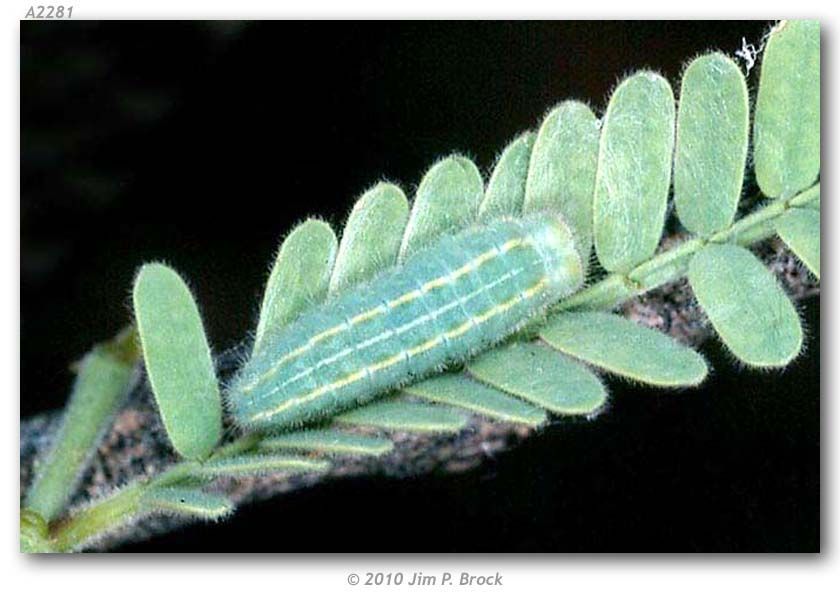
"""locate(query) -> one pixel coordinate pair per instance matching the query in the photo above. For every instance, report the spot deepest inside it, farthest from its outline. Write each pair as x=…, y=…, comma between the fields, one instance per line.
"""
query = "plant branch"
x=126, y=504
x=672, y=264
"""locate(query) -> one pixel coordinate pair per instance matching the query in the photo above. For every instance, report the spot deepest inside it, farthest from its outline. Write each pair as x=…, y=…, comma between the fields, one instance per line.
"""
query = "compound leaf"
x=787, y=110
x=542, y=376
x=371, y=239
x=620, y=346
x=178, y=361
x=746, y=305
x=712, y=139
x=634, y=171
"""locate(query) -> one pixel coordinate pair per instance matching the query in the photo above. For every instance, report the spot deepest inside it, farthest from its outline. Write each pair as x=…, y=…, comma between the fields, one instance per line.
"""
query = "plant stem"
x=672, y=264
x=126, y=504
x=98, y=519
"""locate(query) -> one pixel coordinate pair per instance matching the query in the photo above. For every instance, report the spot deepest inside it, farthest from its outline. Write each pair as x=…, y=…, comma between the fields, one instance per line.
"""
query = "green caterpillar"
x=447, y=302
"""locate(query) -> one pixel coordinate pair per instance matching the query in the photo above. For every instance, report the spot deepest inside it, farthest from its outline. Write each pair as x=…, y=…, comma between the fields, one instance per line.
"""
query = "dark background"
x=202, y=143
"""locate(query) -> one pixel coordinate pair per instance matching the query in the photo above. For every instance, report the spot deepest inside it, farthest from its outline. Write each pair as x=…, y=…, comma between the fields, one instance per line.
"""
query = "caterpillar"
x=446, y=302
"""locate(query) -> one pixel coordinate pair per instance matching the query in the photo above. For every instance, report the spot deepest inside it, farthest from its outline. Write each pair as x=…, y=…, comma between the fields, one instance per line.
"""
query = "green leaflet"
x=634, y=171
x=542, y=376
x=330, y=441
x=800, y=230
x=178, y=361
x=188, y=502
x=103, y=378
x=746, y=305
x=446, y=201
x=787, y=111
x=505, y=193
x=403, y=415
x=812, y=200
x=371, y=239
x=299, y=278
x=462, y=392
x=561, y=176
x=261, y=464
x=620, y=346
x=712, y=140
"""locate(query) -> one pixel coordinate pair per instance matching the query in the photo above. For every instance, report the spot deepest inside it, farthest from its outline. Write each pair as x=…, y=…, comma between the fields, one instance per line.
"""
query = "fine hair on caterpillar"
x=448, y=301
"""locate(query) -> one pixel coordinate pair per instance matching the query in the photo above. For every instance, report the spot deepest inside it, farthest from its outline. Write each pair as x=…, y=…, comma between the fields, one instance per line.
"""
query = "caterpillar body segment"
x=448, y=301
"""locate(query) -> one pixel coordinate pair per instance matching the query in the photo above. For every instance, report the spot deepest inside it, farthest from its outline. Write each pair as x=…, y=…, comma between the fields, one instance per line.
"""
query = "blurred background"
x=201, y=143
